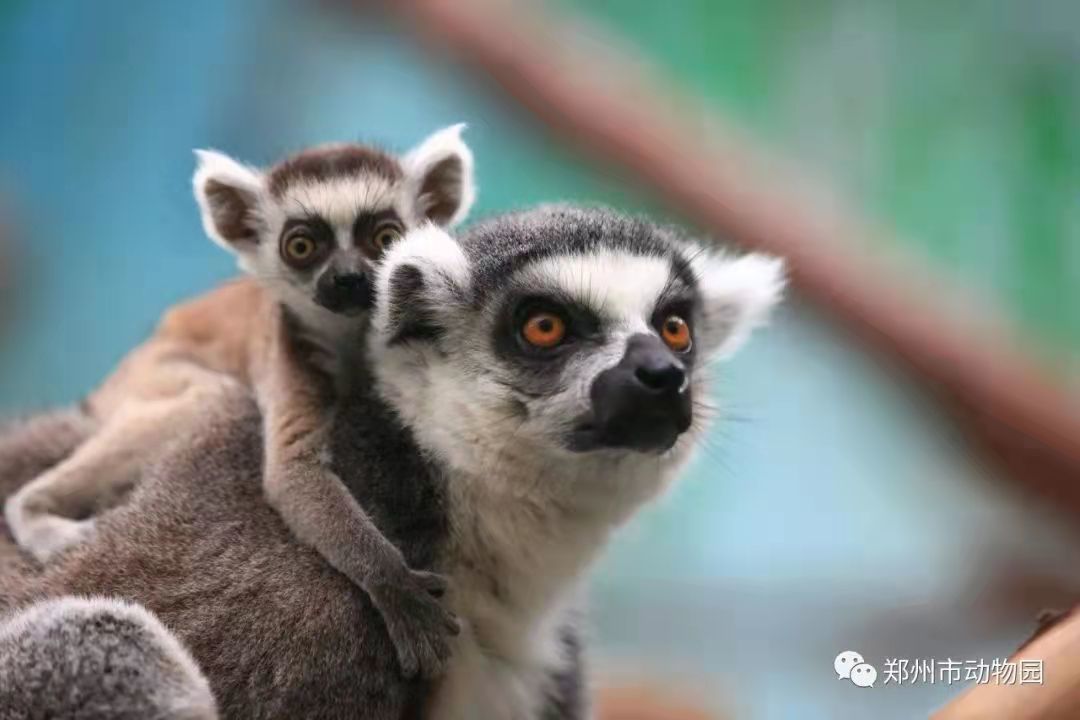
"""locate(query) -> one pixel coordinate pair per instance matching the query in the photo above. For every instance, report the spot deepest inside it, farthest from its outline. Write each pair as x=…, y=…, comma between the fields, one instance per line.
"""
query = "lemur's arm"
x=297, y=401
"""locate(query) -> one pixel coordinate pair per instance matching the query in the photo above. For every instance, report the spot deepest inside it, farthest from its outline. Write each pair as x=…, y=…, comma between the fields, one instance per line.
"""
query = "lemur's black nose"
x=345, y=293
x=660, y=372
x=643, y=403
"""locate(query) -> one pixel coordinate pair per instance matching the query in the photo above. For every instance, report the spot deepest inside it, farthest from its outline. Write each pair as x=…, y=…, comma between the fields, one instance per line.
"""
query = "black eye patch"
x=369, y=225
x=538, y=370
x=581, y=323
x=681, y=305
x=313, y=228
x=314, y=224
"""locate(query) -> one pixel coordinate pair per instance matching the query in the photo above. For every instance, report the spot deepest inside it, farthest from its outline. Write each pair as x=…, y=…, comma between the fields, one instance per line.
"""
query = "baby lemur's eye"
x=299, y=249
x=385, y=237
x=305, y=242
x=676, y=333
x=543, y=329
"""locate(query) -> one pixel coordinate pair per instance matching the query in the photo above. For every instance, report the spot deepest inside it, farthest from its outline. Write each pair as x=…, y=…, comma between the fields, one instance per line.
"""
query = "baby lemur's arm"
x=297, y=400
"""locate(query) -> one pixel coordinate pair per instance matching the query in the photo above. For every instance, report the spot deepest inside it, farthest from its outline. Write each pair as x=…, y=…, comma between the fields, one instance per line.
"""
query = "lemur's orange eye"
x=676, y=333
x=385, y=237
x=299, y=248
x=544, y=330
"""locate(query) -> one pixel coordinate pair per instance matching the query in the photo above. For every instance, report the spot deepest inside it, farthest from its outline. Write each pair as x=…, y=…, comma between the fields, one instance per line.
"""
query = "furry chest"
x=507, y=661
x=478, y=686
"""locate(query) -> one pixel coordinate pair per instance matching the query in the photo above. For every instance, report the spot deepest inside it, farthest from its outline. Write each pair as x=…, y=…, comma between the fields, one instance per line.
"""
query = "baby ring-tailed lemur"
x=310, y=230
x=553, y=362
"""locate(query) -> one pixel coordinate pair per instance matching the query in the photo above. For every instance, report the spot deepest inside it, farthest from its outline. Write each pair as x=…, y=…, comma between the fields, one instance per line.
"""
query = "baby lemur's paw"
x=51, y=535
x=420, y=627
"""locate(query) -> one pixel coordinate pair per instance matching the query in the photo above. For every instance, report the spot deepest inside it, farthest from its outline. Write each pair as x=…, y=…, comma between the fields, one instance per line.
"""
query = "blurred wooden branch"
x=605, y=103
x=642, y=702
x=1056, y=698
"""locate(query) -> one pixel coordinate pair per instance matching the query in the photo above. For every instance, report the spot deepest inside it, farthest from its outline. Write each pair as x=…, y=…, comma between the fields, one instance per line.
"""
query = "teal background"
x=833, y=508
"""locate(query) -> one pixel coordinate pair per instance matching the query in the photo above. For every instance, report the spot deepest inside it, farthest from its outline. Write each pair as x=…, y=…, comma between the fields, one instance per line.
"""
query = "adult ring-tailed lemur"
x=533, y=383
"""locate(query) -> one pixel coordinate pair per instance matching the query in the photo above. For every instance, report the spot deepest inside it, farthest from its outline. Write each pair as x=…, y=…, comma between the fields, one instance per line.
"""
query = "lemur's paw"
x=420, y=627
x=50, y=535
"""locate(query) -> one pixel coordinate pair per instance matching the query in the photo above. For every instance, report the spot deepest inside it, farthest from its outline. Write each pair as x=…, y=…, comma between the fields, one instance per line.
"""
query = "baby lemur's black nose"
x=643, y=403
x=350, y=284
x=346, y=293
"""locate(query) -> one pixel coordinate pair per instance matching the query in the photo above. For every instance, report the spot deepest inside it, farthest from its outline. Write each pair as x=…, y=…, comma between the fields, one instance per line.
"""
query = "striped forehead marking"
x=340, y=200
x=621, y=284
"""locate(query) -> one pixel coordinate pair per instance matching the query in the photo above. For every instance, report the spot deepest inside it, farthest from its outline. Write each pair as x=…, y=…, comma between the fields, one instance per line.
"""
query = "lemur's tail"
x=30, y=447
x=91, y=658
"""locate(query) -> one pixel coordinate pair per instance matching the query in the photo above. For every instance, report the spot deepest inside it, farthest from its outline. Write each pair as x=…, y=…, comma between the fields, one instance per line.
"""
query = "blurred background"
x=836, y=506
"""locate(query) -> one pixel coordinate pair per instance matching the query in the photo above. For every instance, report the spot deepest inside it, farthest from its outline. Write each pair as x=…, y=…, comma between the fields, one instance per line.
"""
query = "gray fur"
x=278, y=632
x=29, y=448
x=96, y=659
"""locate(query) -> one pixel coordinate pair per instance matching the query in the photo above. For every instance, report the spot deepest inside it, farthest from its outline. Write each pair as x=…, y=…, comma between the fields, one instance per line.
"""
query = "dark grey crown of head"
x=500, y=245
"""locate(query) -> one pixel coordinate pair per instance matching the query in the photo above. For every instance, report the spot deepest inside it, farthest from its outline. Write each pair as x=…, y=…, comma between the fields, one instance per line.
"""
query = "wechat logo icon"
x=850, y=665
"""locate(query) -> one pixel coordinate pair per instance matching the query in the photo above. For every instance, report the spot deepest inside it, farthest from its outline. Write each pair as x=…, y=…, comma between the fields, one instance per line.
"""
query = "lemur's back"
x=222, y=328
x=276, y=630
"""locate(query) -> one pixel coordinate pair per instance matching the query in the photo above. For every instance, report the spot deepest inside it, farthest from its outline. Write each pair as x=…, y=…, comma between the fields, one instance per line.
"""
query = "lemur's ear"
x=739, y=293
x=228, y=194
x=440, y=172
x=422, y=277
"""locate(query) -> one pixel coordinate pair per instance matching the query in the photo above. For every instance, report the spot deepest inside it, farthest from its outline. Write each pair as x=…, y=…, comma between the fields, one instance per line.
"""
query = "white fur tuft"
x=430, y=249
x=439, y=146
x=740, y=293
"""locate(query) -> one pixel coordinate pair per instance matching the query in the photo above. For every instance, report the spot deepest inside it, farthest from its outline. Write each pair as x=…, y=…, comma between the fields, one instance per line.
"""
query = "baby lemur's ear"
x=738, y=295
x=423, y=277
x=440, y=173
x=229, y=194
